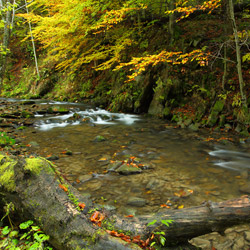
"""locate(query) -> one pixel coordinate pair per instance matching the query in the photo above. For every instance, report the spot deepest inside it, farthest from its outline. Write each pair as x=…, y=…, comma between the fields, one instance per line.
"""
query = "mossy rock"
x=7, y=173
x=218, y=106
x=222, y=121
x=214, y=115
x=167, y=113
x=99, y=138
x=57, y=109
x=212, y=119
x=27, y=114
x=9, y=166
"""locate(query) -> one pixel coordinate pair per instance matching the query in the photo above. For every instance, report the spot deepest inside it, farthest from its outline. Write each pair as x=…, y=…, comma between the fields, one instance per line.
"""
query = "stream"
x=180, y=167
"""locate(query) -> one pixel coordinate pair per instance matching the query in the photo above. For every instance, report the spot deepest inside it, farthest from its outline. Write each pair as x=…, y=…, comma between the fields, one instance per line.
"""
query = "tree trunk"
x=171, y=23
x=238, y=54
x=33, y=42
x=38, y=192
x=6, y=38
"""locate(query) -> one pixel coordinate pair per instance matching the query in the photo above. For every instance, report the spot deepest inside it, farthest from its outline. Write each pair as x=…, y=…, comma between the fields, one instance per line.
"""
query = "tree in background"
x=5, y=9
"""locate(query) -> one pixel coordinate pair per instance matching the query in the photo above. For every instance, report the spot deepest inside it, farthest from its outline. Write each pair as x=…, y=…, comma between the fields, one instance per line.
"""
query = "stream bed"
x=176, y=167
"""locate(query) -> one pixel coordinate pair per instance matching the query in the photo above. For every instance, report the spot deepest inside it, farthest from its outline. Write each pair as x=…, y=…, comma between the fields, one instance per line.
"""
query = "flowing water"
x=183, y=168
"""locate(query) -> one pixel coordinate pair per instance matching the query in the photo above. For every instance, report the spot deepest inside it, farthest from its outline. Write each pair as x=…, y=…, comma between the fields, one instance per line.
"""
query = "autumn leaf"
x=65, y=189
x=97, y=218
x=165, y=205
x=180, y=206
x=103, y=159
x=81, y=205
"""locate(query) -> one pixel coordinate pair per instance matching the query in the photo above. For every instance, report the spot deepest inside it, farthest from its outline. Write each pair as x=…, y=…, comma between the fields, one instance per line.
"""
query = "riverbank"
x=90, y=172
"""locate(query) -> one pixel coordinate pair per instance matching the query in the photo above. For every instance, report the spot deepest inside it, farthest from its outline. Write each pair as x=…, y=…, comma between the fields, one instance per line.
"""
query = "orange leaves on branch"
x=187, y=11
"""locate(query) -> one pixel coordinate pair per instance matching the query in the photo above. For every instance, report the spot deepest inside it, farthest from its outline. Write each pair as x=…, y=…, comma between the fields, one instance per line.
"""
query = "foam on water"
x=230, y=159
x=47, y=126
x=98, y=116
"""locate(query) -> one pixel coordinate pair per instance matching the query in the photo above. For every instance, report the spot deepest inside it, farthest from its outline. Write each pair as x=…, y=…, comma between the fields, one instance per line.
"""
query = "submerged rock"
x=128, y=170
x=99, y=138
x=245, y=189
x=136, y=202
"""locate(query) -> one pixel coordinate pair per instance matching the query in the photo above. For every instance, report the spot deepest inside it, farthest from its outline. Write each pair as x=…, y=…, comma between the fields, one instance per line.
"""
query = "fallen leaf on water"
x=102, y=159
x=180, y=206
x=165, y=205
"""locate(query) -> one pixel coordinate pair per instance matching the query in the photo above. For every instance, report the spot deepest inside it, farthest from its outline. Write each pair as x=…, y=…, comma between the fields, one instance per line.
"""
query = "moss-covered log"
x=38, y=192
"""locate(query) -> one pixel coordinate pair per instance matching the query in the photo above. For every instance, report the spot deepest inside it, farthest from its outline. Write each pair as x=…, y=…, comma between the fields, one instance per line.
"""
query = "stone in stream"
x=136, y=202
x=86, y=177
x=57, y=109
x=53, y=158
x=99, y=138
x=33, y=144
x=128, y=170
x=153, y=183
x=245, y=189
x=247, y=235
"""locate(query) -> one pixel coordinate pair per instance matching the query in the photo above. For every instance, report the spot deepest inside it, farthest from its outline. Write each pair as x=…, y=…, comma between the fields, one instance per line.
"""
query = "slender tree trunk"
x=238, y=54
x=6, y=38
x=33, y=42
x=171, y=22
x=225, y=12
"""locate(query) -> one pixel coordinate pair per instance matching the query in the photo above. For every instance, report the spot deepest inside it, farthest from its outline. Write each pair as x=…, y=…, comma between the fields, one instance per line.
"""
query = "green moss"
x=218, y=106
x=7, y=173
x=34, y=165
x=1, y=157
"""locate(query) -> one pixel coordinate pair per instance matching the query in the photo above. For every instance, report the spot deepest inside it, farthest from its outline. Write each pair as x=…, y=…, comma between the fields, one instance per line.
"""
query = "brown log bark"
x=37, y=191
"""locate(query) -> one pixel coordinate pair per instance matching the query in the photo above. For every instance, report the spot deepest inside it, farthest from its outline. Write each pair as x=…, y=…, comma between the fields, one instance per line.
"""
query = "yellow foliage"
x=69, y=30
x=139, y=64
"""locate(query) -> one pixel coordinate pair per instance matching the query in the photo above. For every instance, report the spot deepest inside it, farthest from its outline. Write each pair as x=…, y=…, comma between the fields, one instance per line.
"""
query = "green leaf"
x=35, y=228
x=26, y=224
x=13, y=234
x=23, y=236
x=162, y=240
x=167, y=222
x=15, y=242
x=153, y=243
x=152, y=223
x=161, y=233
x=6, y=230
x=35, y=246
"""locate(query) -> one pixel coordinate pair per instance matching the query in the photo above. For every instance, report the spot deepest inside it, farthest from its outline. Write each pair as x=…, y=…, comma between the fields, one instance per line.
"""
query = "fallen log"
x=39, y=192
